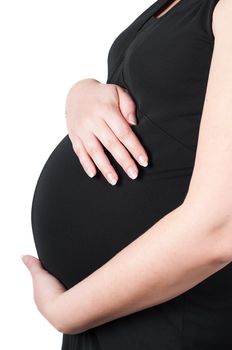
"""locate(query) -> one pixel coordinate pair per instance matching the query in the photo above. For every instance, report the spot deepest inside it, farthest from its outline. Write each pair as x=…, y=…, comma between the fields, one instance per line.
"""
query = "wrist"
x=77, y=88
x=84, y=82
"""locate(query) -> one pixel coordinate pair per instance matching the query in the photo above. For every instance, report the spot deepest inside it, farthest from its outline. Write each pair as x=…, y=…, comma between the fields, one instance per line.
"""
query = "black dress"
x=79, y=222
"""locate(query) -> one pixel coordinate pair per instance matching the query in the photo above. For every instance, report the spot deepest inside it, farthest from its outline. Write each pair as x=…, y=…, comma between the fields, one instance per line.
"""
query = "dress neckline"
x=164, y=3
x=151, y=11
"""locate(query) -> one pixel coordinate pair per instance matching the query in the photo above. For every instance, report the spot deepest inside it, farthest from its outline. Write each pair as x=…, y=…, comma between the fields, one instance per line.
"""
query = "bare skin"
x=99, y=114
x=167, y=8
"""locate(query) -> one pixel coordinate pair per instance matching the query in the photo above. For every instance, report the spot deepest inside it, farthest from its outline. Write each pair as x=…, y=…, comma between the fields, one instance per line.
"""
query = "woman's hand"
x=100, y=114
x=46, y=290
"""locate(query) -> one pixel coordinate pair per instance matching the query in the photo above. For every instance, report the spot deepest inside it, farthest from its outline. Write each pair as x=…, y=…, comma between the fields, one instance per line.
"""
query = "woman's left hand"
x=46, y=289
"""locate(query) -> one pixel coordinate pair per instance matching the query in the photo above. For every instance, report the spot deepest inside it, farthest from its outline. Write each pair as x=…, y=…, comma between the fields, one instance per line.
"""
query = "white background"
x=46, y=46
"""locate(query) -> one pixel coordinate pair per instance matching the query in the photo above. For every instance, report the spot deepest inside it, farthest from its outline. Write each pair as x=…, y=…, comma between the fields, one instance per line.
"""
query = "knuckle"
x=93, y=150
x=121, y=158
x=77, y=148
x=109, y=142
x=102, y=164
x=130, y=164
x=127, y=163
x=108, y=171
x=124, y=132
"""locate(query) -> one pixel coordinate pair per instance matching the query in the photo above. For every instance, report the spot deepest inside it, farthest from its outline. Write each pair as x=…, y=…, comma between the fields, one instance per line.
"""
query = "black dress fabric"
x=79, y=223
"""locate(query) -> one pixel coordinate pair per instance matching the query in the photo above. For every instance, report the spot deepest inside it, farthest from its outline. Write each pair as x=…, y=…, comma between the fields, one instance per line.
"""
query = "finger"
x=83, y=156
x=32, y=263
x=96, y=152
x=127, y=105
x=45, y=286
x=128, y=138
x=113, y=145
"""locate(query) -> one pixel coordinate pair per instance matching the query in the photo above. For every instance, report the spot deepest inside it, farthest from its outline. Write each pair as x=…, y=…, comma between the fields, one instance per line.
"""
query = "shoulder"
x=222, y=17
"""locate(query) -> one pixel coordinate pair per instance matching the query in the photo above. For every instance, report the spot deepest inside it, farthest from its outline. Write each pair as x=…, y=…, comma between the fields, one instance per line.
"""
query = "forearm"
x=175, y=254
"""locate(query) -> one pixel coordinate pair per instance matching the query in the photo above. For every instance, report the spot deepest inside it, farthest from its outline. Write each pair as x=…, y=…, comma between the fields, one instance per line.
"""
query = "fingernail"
x=132, y=173
x=132, y=119
x=90, y=172
x=111, y=179
x=142, y=160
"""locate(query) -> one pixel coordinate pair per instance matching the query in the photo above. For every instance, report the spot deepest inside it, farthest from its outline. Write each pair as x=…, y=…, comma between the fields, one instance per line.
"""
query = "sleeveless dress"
x=79, y=222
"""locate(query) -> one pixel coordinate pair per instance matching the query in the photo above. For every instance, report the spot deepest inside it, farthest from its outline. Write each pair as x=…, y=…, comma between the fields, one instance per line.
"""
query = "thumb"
x=127, y=105
x=32, y=263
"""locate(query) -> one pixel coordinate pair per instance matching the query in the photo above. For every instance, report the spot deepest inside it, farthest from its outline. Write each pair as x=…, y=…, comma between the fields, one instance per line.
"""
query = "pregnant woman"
x=143, y=261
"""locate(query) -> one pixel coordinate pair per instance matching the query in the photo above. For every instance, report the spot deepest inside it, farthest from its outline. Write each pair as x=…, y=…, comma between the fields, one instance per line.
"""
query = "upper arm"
x=210, y=189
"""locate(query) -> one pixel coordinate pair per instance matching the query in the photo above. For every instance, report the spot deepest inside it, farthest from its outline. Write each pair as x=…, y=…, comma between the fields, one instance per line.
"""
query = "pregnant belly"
x=79, y=222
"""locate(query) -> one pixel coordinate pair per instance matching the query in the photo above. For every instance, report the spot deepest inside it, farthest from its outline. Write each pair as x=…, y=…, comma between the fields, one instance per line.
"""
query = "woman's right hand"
x=99, y=114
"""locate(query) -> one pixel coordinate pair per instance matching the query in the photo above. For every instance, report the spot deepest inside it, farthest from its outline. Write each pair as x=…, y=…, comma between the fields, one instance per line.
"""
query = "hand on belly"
x=79, y=222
